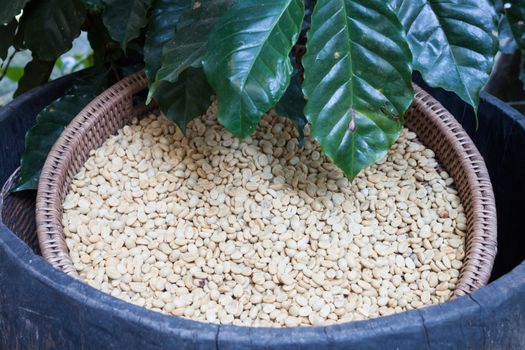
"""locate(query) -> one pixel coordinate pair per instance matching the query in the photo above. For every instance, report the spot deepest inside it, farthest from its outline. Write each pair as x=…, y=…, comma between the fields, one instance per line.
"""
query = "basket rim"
x=481, y=240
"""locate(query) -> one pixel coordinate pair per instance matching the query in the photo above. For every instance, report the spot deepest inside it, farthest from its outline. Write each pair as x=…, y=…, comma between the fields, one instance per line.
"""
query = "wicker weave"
x=18, y=212
x=435, y=127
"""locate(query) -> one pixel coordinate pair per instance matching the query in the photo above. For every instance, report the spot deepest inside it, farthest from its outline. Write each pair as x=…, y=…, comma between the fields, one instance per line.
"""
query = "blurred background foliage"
x=12, y=68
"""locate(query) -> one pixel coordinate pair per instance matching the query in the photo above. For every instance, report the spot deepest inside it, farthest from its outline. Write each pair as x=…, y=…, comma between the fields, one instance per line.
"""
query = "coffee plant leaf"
x=292, y=105
x=248, y=62
x=189, y=44
x=357, y=80
x=36, y=72
x=453, y=43
x=48, y=27
x=50, y=123
x=186, y=99
x=125, y=18
x=165, y=15
x=10, y=8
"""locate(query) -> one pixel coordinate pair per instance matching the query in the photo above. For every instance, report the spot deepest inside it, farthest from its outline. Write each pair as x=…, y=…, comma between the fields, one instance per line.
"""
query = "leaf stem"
x=8, y=63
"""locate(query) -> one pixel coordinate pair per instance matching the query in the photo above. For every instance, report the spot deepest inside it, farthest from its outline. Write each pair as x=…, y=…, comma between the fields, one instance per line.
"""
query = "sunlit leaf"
x=357, y=80
x=248, y=62
x=453, y=42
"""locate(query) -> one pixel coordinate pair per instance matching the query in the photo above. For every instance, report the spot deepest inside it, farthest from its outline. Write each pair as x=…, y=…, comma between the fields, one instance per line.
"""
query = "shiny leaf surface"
x=357, y=80
x=165, y=15
x=247, y=63
x=185, y=99
x=188, y=46
x=453, y=42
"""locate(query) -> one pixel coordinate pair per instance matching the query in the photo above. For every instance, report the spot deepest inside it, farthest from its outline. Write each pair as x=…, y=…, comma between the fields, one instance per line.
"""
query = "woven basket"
x=435, y=127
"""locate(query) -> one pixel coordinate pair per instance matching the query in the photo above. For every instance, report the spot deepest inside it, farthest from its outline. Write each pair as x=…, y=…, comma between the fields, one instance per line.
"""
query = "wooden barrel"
x=43, y=308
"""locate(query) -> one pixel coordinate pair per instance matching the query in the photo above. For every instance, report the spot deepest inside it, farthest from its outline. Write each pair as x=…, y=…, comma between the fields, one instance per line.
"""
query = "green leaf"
x=292, y=105
x=515, y=11
x=36, y=73
x=186, y=99
x=39, y=140
x=247, y=63
x=7, y=33
x=357, y=80
x=10, y=8
x=50, y=123
x=188, y=46
x=453, y=43
x=104, y=48
x=165, y=15
x=125, y=18
x=48, y=27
